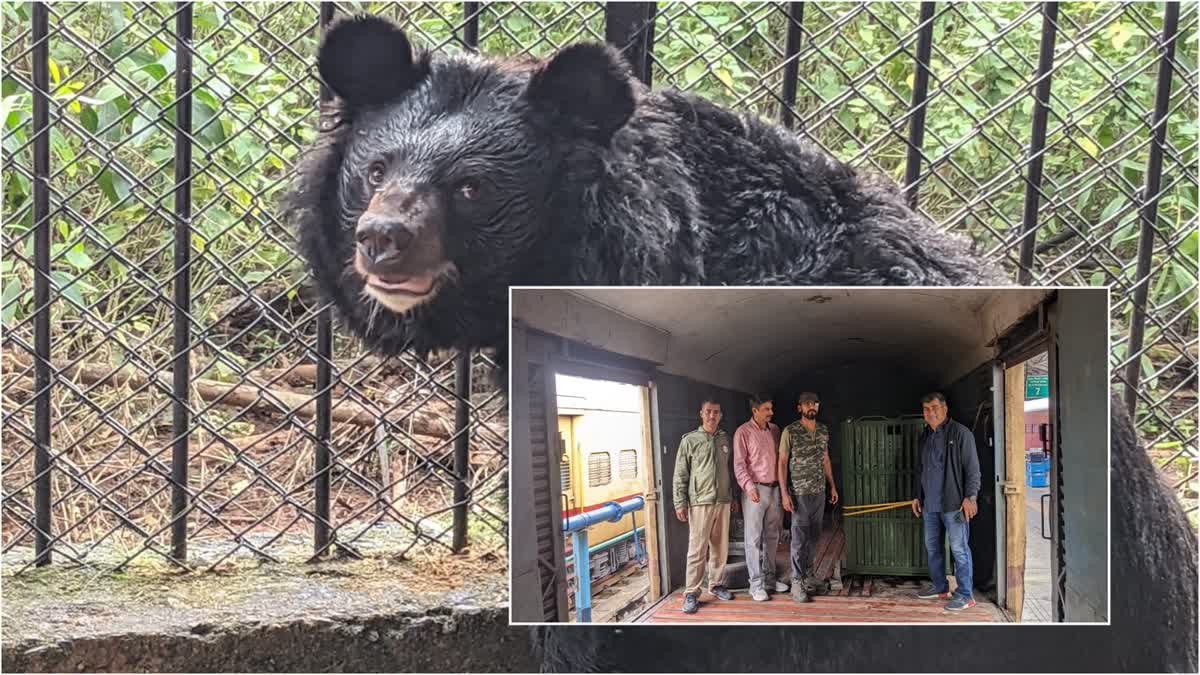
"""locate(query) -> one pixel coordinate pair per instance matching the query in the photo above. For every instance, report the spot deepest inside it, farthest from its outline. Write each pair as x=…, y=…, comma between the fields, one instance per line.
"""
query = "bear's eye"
x=376, y=173
x=470, y=190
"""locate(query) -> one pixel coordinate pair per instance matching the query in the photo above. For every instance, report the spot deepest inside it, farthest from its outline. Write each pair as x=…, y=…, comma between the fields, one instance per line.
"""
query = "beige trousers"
x=708, y=541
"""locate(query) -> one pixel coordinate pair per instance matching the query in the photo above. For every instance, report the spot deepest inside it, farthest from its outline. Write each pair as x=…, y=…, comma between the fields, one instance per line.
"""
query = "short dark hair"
x=709, y=399
x=933, y=396
x=756, y=400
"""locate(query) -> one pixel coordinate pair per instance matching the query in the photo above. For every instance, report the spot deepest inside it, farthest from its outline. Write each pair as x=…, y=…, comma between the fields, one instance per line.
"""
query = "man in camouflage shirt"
x=804, y=467
x=703, y=496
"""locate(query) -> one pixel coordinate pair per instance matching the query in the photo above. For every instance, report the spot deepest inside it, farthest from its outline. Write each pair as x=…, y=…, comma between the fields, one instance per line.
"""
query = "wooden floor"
x=859, y=600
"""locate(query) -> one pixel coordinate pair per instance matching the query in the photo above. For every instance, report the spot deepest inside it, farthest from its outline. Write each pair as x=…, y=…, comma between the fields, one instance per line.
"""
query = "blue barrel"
x=1037, y=469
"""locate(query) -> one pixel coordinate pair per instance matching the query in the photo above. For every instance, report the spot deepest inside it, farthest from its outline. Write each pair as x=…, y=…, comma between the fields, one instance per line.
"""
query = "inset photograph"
x=809, y=455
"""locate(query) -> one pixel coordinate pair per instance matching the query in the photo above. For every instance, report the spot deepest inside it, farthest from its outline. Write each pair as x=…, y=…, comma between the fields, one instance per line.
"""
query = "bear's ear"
x=587, y=86
x=367, y=60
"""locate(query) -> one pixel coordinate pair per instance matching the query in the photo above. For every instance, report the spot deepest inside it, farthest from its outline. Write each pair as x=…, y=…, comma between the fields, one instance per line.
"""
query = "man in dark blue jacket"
x=947, y=488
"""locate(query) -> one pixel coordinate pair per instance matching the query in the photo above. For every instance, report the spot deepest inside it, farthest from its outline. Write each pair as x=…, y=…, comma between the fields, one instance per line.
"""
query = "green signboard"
x=1037, y=386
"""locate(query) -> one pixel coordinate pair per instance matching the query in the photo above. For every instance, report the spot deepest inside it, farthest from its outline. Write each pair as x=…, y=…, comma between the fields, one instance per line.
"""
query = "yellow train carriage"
x=601, y=462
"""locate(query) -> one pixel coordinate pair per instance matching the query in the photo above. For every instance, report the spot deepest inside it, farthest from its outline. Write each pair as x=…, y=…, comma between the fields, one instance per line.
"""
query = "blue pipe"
x=577, y=525
x=611, y=512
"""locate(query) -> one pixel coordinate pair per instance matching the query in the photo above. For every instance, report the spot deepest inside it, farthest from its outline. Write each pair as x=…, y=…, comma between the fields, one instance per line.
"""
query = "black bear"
x=439, y=181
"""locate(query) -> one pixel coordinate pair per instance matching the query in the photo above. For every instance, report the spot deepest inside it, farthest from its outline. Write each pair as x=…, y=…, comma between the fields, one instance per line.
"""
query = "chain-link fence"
x=173, y=387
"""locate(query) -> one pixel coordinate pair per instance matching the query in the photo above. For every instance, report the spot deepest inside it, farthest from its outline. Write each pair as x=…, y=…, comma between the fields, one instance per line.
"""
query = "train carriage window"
x=564, y=466
x=599, y=469
x=628, y=464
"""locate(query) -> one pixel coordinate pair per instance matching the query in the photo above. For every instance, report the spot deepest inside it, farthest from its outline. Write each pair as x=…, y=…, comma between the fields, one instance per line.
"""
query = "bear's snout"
x=383, y=238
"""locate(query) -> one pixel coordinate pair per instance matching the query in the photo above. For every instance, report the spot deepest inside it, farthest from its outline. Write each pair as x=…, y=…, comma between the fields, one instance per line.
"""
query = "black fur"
x=590, y=180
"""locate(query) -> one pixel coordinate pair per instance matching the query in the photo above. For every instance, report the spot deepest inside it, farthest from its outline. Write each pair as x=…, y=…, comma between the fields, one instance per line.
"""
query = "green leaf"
x=78, y=257
x=113, y=185
x=726, y=79
x=206, y=124
x=89, y=119
x=1089, y=146
x=8, y=301
x=69, y=287
x=250, y=68
x=1119, y=34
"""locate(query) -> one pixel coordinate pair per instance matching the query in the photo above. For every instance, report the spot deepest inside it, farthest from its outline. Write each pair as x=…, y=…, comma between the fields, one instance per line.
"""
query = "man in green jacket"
x=702, y=500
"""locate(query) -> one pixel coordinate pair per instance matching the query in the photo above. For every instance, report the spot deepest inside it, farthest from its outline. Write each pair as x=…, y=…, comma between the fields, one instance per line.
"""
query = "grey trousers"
x=762, y=523
x=807, y=514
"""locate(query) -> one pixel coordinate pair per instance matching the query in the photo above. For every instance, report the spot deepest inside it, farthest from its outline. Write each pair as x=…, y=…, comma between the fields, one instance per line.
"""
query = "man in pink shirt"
x=754, y=453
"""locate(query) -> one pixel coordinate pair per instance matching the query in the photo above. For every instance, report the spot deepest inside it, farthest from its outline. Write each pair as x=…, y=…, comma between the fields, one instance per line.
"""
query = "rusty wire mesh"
x=253, y=315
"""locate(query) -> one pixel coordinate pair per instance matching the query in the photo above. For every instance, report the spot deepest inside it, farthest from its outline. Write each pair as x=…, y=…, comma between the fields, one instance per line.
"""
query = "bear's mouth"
x=418, y=285
x=402, y=292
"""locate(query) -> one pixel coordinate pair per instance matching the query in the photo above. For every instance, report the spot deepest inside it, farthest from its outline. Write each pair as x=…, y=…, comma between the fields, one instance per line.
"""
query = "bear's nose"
x=381, y=238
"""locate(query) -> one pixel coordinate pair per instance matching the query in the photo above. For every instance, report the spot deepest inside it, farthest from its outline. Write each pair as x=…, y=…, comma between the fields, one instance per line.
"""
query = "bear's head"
x=439, y=179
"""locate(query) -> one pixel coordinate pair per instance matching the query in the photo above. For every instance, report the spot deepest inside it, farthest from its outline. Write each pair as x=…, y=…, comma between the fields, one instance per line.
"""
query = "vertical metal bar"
x=324, y=421
x=1162, y=97
x=1037, y=143
x=648, y=45
x=583, y=576
x=791, y=67
x=629, y=26
x=471, y=25
x=41, y=278
x=916, y=123
x=462, y=445
x=181, y=369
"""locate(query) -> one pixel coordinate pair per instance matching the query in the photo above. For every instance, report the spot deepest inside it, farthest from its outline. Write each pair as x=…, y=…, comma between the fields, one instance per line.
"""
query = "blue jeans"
x=956, y=528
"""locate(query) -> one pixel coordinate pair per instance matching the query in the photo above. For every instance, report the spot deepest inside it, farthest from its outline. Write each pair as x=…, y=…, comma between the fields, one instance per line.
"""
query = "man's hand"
x=787, y=502
x=681, y=514
x=916, y=507
x=969, y=509
x=833, y=495
x=753, y=494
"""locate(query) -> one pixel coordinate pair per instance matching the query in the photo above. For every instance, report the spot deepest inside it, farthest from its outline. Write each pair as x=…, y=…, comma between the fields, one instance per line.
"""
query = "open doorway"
x=1030, y=458
x=605, y=472
x=1039, y=521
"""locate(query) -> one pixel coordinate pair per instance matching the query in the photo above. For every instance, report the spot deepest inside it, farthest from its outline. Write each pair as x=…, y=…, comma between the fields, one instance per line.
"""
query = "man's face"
x=710, y=416
x=934, y=412
x=808, y=409
x=763, y=413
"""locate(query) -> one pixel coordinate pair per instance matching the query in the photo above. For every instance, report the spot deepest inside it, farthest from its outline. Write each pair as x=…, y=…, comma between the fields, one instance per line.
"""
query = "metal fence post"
x=629, y=26
x=1037, y=142
x=462, y=445
x=181, y=368
x=324, y=421
x=462, y=365
x=41, y=279
x=916, y=123
x=791, y=67
x=1149, y=212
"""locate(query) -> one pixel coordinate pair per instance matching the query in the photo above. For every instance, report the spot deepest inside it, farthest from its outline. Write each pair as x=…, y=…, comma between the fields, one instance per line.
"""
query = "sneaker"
x=799, y=594
x=691, y=602
x=928, y=592
x=781, y=587
x=759, y=595
x=721, y=592
x=960, y=604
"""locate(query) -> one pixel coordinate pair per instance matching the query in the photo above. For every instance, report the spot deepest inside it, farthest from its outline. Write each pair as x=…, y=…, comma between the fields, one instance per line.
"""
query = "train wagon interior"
x=871, y=354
